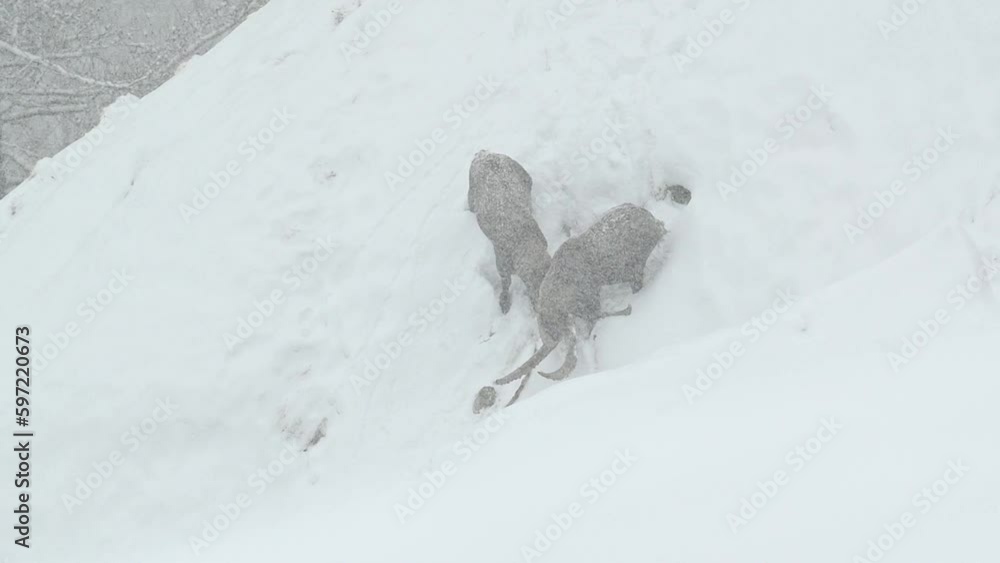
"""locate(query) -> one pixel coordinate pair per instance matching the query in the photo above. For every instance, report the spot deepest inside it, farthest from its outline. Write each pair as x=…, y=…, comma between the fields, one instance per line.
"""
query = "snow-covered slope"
x=261, y=310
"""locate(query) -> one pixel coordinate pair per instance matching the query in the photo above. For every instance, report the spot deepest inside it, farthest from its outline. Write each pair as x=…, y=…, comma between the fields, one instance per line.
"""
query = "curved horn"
x=517, y=394
x=568, y=363
x=527, y=366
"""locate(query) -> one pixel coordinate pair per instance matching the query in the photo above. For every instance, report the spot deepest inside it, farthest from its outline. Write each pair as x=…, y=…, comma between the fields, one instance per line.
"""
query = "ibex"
x=500, y=196
x=614, y=250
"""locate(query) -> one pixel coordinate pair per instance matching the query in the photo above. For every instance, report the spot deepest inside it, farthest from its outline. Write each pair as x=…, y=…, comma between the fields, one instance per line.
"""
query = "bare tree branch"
x=23, y=150
x=59, y=67
x=198, y=45
x=53, y=66
x=51, y=110
x=17, y=159
x=82, y=93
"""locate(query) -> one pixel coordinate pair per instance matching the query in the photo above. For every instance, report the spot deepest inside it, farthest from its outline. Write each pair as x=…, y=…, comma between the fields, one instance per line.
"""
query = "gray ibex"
x=614, y=250
x=500, y=196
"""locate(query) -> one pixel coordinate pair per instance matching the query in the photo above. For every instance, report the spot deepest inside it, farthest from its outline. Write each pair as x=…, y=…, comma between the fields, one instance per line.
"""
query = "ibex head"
x=553, y=332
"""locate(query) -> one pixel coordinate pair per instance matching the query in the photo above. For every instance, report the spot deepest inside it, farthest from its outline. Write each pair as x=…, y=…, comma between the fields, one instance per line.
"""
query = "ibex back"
x=500, y=196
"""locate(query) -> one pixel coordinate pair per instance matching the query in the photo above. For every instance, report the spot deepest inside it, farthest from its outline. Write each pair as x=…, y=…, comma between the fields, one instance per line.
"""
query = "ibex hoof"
x=504, y=303
x=485, y=399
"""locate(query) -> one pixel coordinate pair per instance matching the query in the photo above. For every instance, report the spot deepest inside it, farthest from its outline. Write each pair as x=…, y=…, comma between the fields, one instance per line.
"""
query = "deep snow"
x=157, y=273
